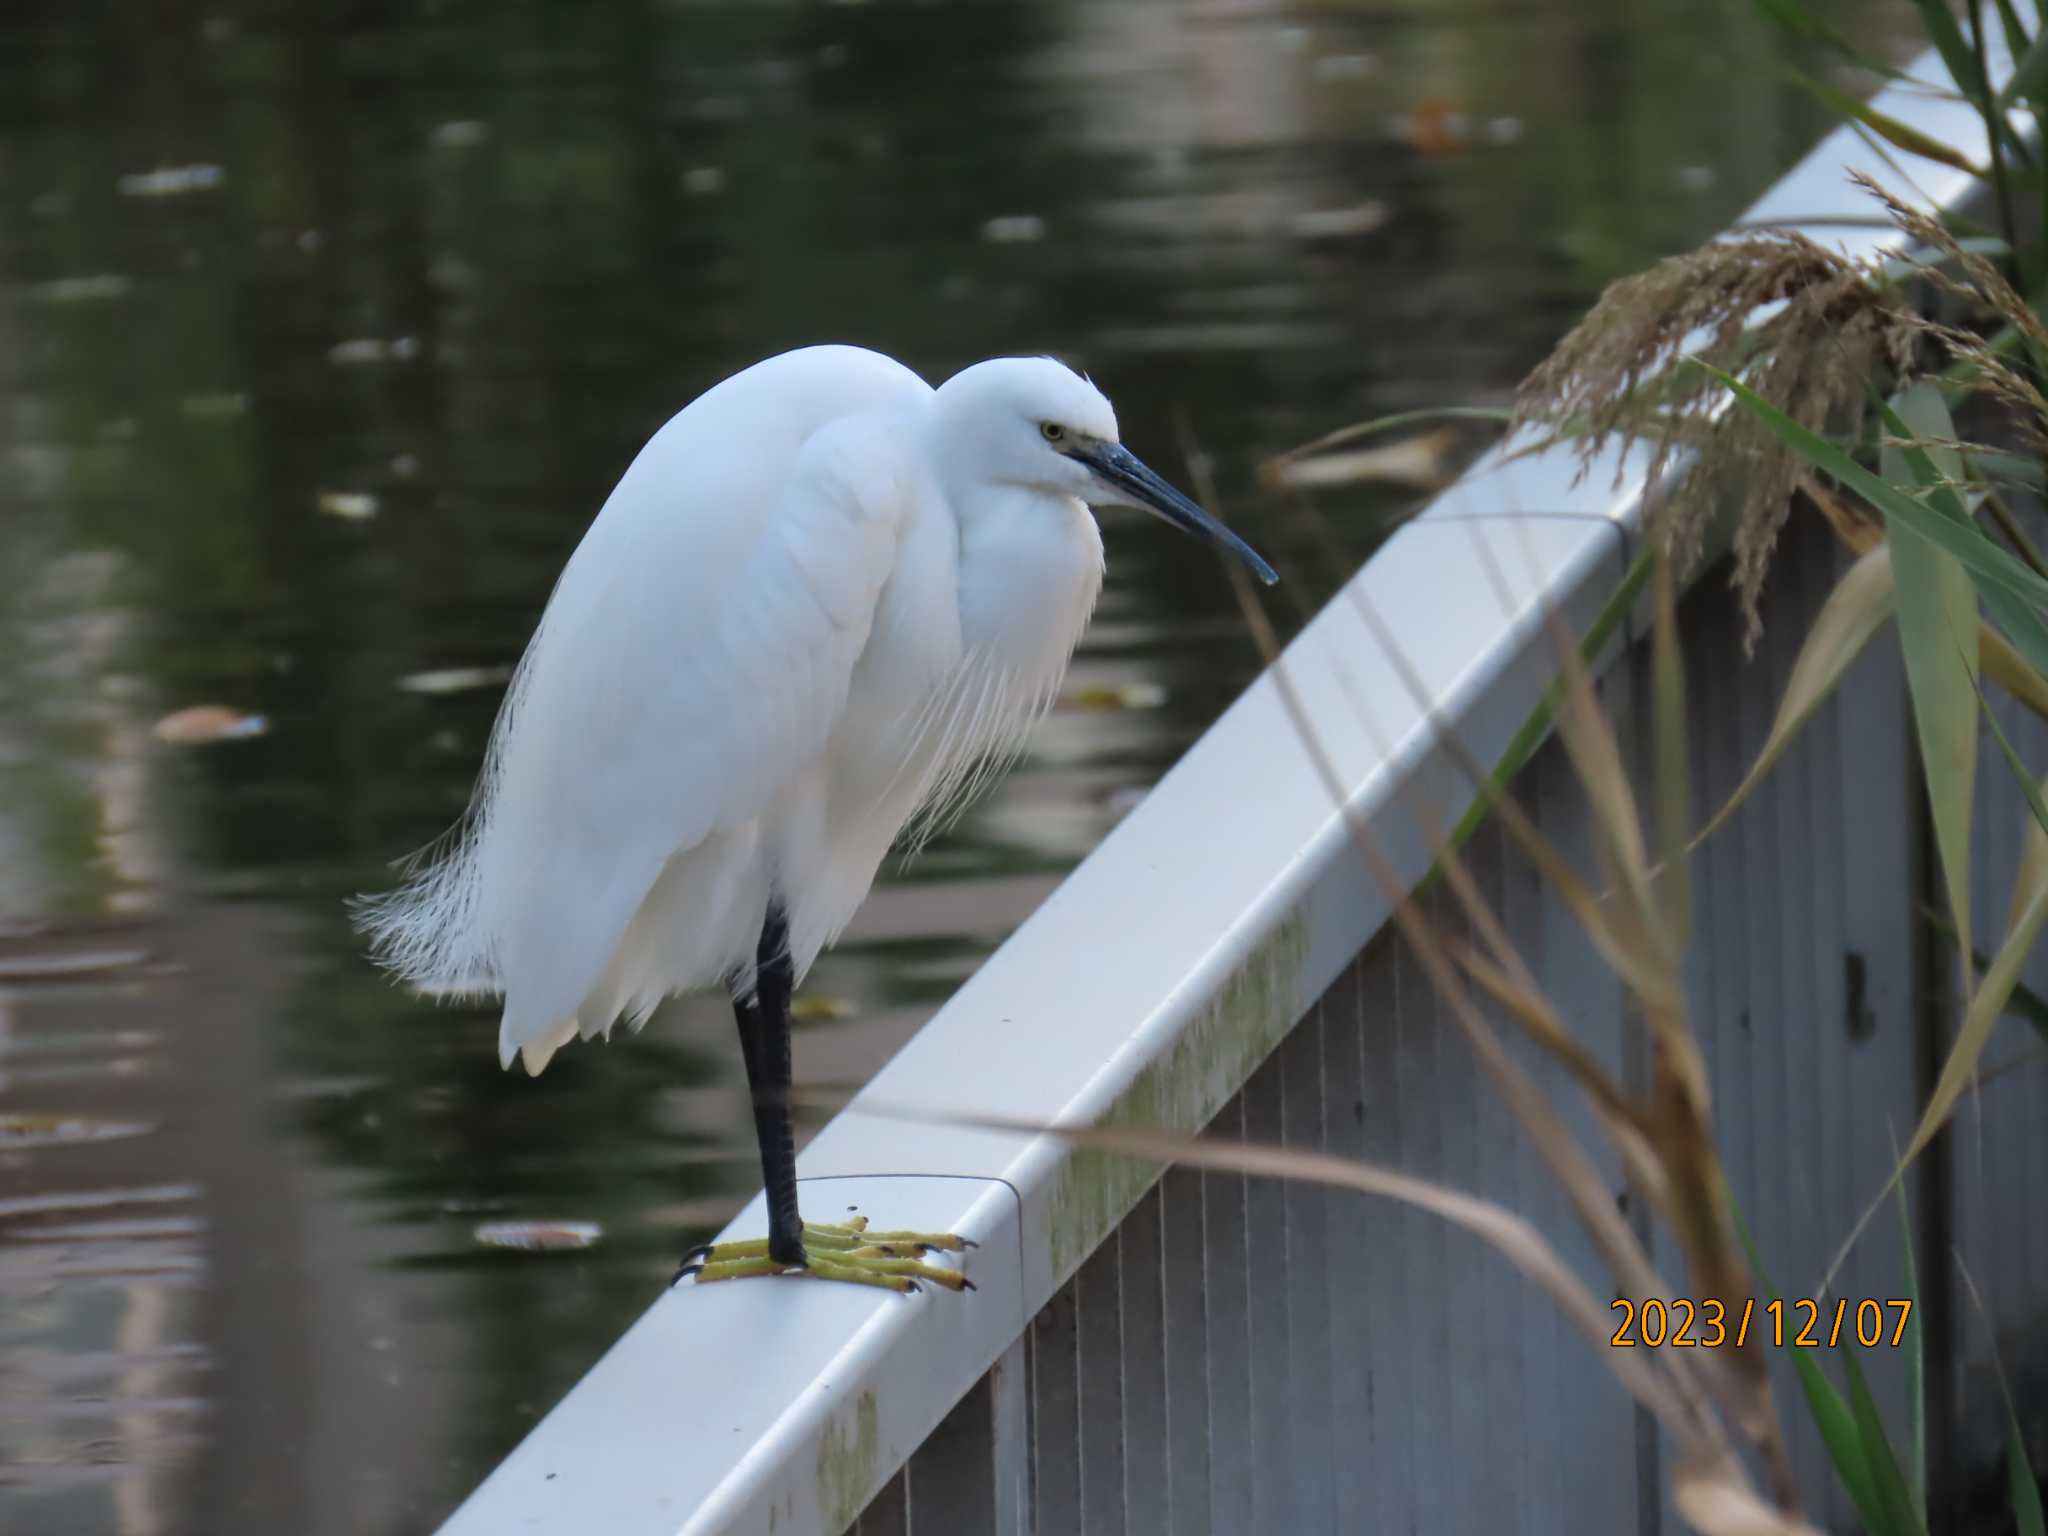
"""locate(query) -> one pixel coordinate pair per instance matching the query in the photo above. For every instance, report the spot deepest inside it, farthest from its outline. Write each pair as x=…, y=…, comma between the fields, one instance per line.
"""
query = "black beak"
x=1118, y=467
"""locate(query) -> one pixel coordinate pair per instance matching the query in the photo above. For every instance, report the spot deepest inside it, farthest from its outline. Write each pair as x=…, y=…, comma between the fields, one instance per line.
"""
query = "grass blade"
x=1673, y=775
x=2026, y=1005
x=2025, y=1489
x=2028, y=787
x=2027, y=1517
x=1901, y=1514
x=1837, y=1426
x=1860, y=604
x=1964, y=67
x=1911, y=1347
x=1507, y=1233
x=1900, y=135
x=1831, y=1416
x=2028, y=916
x=1536, y=729
x=1983, y=559
x=1937, y=609
x=1798, y=23
x=2029, y=913
x=2015, y=29
x=2029, y=80
x=2028, y=636
x=1940, y=469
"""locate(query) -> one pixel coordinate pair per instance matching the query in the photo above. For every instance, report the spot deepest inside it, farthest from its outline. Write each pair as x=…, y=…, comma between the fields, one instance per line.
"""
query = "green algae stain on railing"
x=1183, y=1090
x=849, y=1462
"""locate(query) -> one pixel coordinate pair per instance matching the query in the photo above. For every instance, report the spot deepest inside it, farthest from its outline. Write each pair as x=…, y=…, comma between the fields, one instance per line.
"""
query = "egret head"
x=1035, y=423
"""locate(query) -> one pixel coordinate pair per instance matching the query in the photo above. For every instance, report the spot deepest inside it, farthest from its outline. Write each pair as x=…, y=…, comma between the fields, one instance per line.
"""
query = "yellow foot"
x=851, y=1253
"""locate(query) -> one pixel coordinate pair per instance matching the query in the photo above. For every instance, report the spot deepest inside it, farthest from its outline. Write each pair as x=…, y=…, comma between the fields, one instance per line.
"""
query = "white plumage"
x=823, y=597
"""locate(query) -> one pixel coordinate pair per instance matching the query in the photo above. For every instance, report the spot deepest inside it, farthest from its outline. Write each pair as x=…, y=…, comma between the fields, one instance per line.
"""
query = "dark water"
x=324, y=329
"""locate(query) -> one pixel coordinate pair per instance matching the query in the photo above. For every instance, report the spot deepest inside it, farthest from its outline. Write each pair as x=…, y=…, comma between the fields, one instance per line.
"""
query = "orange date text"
x=1683, y=1323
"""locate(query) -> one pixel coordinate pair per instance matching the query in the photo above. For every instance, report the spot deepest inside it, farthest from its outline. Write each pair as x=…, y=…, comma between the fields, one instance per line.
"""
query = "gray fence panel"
x=1246, y=1354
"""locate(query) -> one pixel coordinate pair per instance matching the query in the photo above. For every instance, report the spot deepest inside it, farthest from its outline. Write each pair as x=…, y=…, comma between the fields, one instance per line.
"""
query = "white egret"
x=822, y=603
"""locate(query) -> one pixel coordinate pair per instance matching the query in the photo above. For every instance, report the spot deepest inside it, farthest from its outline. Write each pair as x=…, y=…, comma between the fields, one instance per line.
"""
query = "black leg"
x=764, y=1041
x=892, y=1260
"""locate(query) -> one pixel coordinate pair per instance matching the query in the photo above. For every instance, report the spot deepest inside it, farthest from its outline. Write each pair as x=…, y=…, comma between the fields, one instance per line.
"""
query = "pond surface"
x=325, y=328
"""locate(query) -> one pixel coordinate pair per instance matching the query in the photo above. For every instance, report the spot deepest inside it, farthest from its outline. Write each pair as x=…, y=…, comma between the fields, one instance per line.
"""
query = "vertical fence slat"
x=952, y=1477
x=1187, y=1353
x=1354, y=1296
x=1273, y=1485
x=1099, y=1332
x=1230, y=1370
x=888, y=1512
x=1144, y=1368
x=1308, y=1339
x=1056, y=1413
x=1009, y=1388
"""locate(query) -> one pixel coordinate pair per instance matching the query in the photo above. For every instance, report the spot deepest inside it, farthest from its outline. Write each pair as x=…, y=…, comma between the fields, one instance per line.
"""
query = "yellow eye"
x=1051, y=431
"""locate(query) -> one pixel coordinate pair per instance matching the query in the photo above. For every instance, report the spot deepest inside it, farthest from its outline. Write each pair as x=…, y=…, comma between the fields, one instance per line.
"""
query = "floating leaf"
x=205, y=723
x=454, y=679
x=461, y=134
x=1422, y=461
x=353, y=506
x=1014, y=229
x=20, y=1131
x=86, y=289
x=170, y=181
x=1345, y=66
x=1435, y=128
x=68, y=966
x=364, y=350
x=1340, y=223
x=1274, y=471
x=539, y=1236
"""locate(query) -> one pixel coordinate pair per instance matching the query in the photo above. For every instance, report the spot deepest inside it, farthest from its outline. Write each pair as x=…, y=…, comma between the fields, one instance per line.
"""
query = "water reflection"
x=322, y=333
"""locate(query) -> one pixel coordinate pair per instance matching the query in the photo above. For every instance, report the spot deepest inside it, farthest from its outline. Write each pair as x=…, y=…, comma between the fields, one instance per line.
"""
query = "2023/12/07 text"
x=1683, y=1323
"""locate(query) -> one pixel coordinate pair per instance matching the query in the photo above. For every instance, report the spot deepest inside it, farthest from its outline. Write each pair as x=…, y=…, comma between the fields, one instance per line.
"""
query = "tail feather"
x=539, y=1050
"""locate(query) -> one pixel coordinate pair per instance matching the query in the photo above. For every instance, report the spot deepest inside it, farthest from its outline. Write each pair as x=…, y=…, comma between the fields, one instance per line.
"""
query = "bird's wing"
x=692, y=662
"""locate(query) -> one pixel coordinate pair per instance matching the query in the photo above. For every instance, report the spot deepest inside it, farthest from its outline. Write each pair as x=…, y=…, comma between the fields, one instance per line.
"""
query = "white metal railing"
x=1149, y=984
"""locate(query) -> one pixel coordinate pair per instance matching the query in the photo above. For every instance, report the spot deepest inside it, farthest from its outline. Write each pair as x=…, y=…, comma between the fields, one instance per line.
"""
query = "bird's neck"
x=1030, y=571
